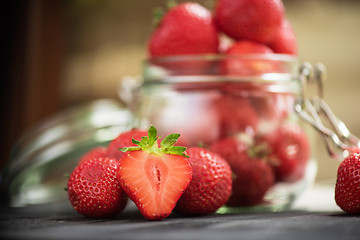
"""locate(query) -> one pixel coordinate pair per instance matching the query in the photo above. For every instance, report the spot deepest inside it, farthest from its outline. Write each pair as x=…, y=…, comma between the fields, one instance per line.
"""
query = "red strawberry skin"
x=229, y=148
x=124, y=140
x=94, y=190
x=210, y=186
x=242, y=66
x=187, y=28
x=252, y=179
x=290, y=148
x=97, y=152
x=154, y=182
x=252, y=176
x=285, y=40
x=347, y=188
x=256, y=20
x=235, y=115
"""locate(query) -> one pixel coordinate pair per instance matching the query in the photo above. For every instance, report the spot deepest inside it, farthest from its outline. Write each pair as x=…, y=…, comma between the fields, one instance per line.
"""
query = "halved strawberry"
x=155, y=177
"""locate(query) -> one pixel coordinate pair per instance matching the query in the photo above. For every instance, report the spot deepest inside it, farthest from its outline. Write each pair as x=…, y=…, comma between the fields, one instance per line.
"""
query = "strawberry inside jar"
x=254, y=110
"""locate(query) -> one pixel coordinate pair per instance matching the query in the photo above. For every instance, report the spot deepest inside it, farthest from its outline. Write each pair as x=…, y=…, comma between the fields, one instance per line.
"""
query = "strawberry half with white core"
x=154, y=177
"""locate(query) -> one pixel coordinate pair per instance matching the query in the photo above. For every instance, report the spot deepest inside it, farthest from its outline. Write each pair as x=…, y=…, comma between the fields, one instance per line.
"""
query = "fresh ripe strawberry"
x=187, y=28
x=210, y=186
x=290, y=148
x=236, y=115
x=124, y=140
x=97, y=152
x=241, y=65
x=94, y=190
x=256, y=20
x=232, y=147
x=252, y=178
x=155, y=177
x=247, y=47
x=285, y=40
x=347, y=188
x=273, y=107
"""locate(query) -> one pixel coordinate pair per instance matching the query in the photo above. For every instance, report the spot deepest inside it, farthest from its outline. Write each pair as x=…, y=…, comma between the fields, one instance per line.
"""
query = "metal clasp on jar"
x=315, y=111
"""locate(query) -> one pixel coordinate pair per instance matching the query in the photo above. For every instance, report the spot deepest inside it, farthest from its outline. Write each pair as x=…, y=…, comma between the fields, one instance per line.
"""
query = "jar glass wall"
x=210, y=98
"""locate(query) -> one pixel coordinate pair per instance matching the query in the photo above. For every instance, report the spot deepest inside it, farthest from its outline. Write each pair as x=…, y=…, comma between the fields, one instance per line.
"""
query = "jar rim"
x=221, y=56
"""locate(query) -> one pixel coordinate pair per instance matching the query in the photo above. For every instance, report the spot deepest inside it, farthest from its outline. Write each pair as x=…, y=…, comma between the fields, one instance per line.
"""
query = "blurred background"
x=62, y=53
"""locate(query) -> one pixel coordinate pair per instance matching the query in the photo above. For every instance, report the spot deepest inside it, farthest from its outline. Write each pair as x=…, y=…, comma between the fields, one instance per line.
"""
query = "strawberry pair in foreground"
x=157, y=176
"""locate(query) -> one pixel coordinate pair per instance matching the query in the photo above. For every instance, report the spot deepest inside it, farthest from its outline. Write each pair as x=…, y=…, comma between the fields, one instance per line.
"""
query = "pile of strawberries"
x=236, y=166
x=156, y=174
x=238, y=162
x=252, y=26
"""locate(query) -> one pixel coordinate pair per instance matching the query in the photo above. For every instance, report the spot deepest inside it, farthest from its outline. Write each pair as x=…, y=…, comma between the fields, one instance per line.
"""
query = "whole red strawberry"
x=274, y=106
x=285, y=40
x=187, y=28
x=232, y=147
x=347, y=188
x=210, y=186
x=124, y=140
x=236, y=115
x=256, y=20
x=96, y=152
x=154, y=177
x=290, y=150
x=241, y=65
x=253, y=177
x=94, y=190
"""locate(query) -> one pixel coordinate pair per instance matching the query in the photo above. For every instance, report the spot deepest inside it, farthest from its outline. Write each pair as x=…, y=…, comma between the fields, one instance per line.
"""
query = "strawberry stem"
x=150, y=145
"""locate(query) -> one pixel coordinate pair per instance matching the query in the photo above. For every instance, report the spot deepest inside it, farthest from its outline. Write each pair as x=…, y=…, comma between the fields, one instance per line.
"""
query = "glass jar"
x=43, y=156
x=208, y=98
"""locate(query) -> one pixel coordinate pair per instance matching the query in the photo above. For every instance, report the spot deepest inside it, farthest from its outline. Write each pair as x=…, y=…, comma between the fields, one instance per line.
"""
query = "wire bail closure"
x=315, y=111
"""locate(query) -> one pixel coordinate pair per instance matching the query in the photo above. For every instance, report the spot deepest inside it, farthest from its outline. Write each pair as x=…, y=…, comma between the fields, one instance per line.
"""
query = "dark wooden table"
x=60, y=221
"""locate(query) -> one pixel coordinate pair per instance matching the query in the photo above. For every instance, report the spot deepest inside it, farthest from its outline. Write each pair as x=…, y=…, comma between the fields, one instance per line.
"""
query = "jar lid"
x=43, y=156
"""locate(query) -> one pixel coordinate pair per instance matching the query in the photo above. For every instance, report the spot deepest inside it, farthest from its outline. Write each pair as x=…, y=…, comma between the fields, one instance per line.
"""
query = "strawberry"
x=241, y=65
x=252, y=175
x=187, y=28
x=290, y=148
x=124, y=140
x=347, y=188
x=232, y=147
x=210, y=186
x=154, y=177
x=256, y=20
x=94, y=190
x=285, y=40
x=274, y=107
x=96, y=152
x=236, y=115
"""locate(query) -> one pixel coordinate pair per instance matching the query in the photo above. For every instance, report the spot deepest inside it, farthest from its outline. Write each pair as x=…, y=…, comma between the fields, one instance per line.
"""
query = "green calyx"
x=149, y=144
